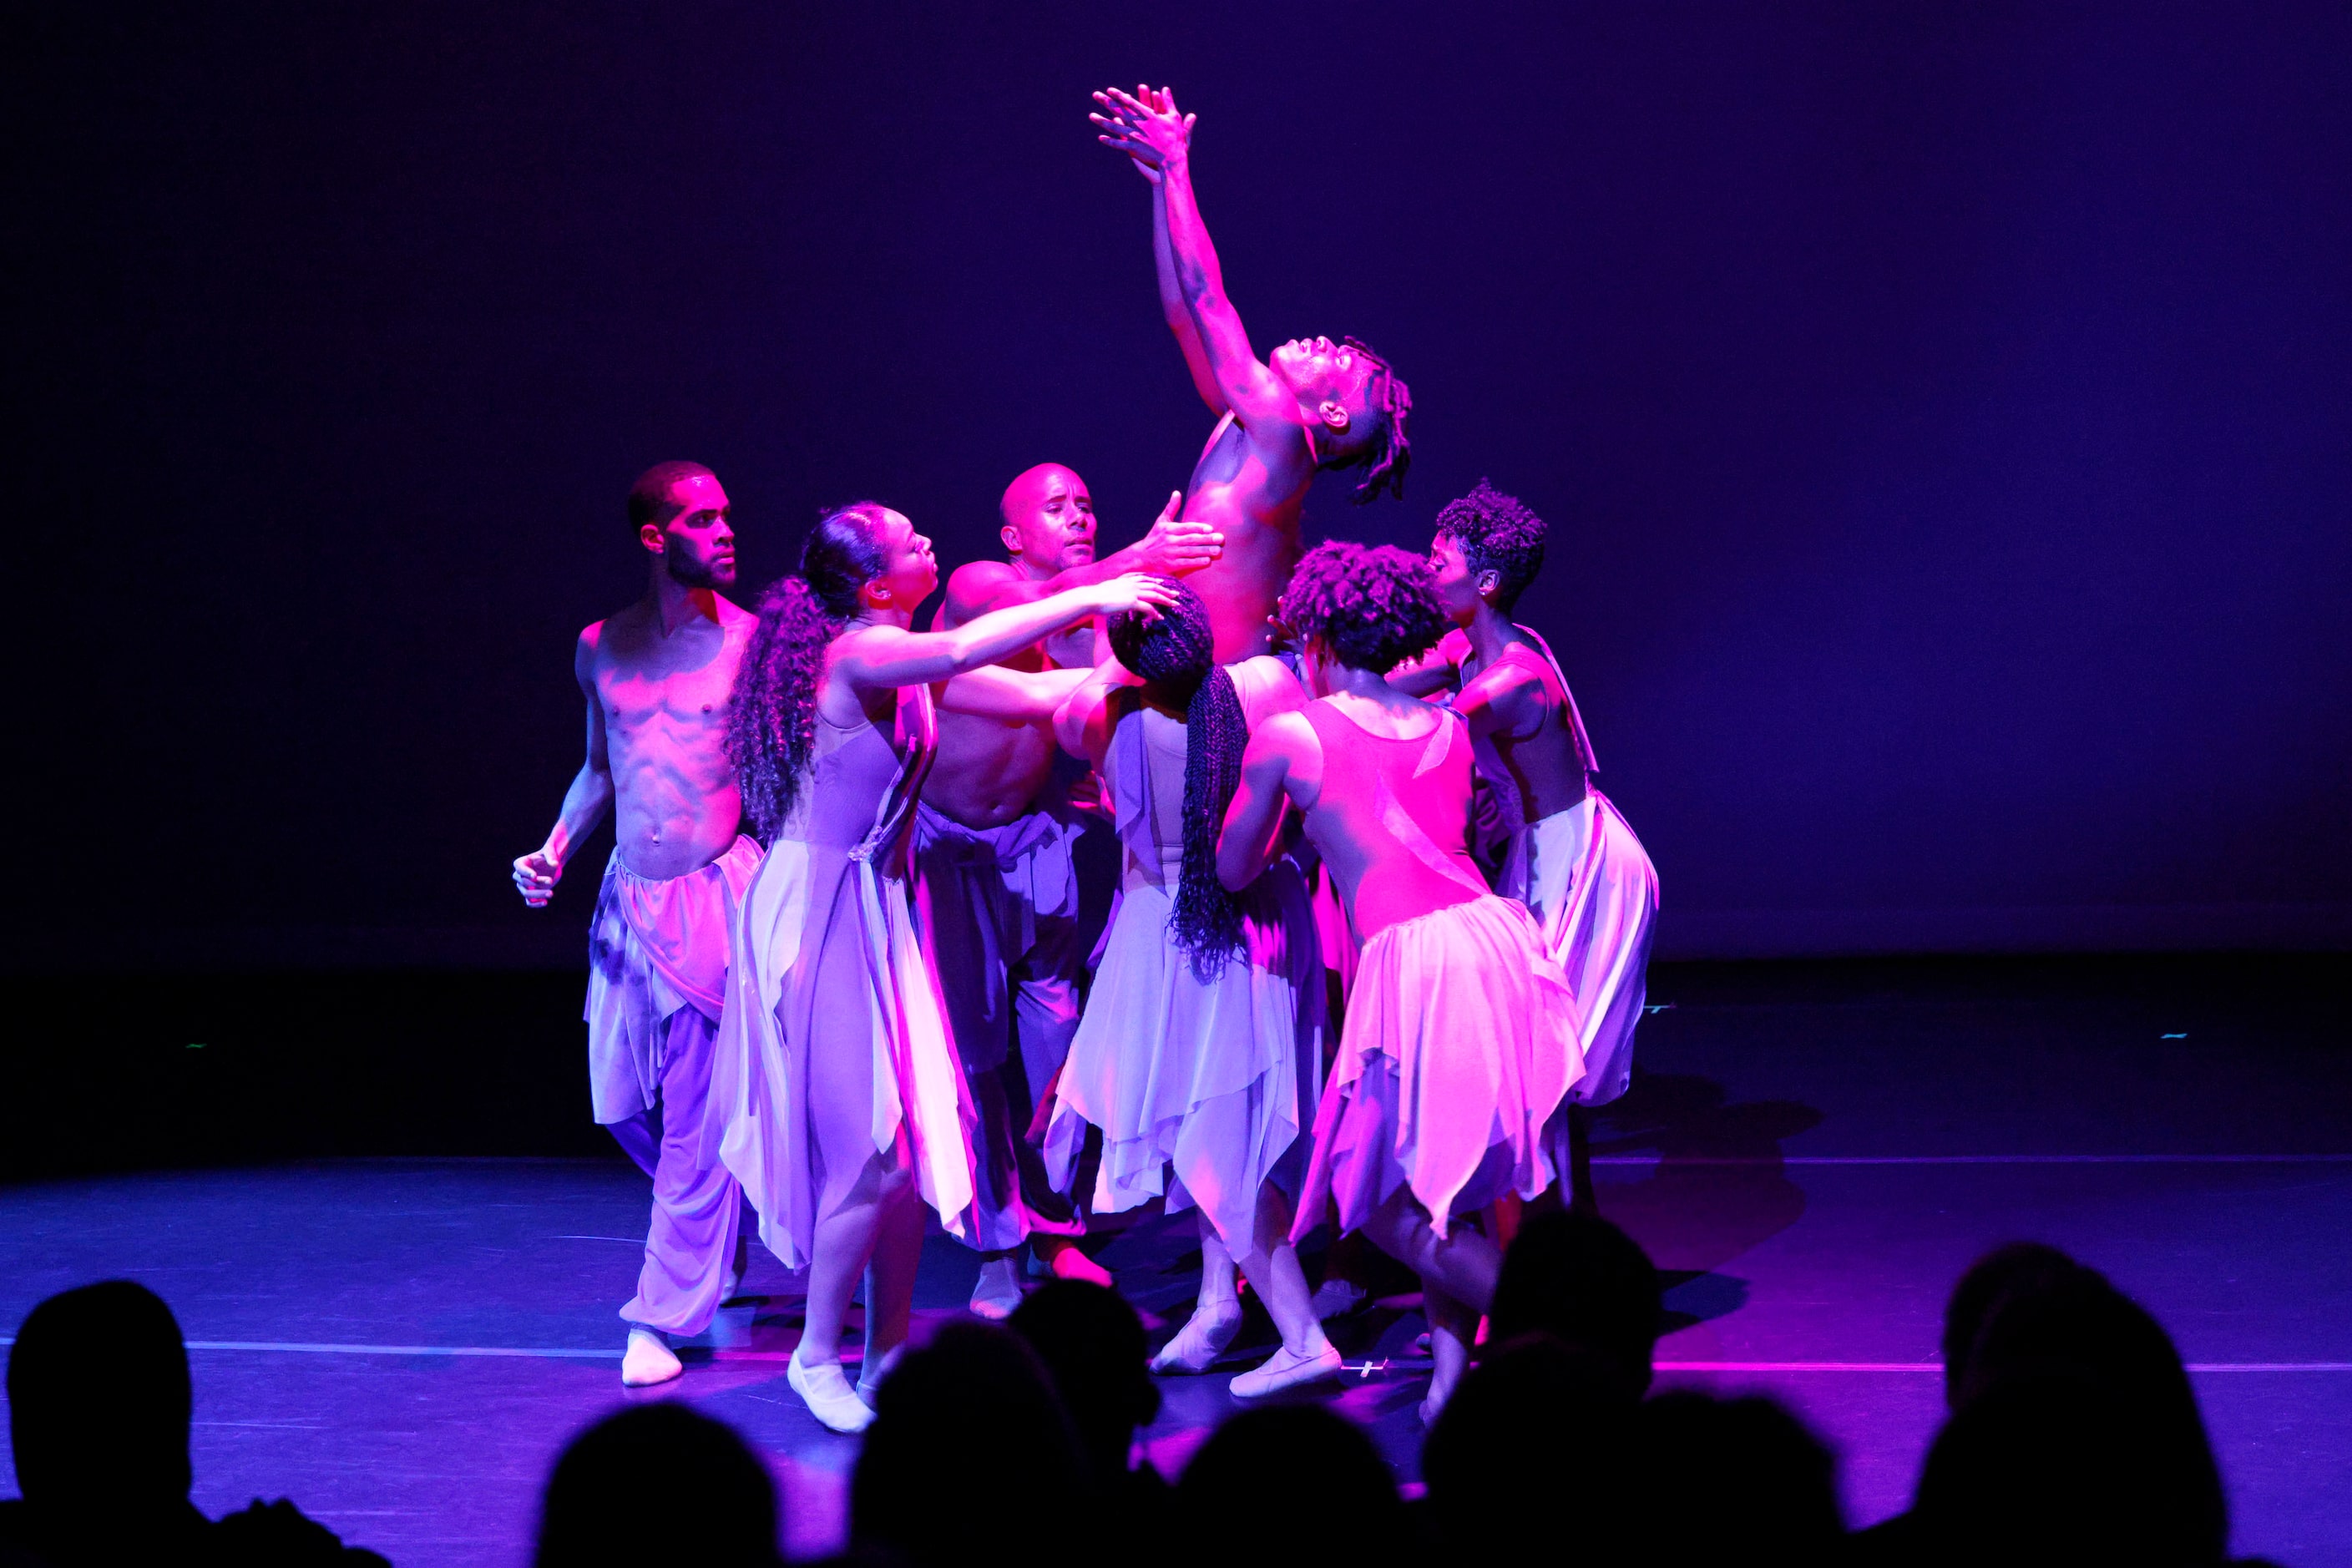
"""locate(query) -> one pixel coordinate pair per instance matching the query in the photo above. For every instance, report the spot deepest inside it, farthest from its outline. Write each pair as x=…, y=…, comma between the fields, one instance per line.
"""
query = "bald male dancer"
x=1310, y=405
x=656, y=679
x=997, y=888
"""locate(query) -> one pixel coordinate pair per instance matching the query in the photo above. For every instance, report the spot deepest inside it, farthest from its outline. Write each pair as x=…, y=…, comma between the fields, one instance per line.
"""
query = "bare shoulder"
x=1267, y=687
x=973, y=587
x=734, y=618
x=1285, y=735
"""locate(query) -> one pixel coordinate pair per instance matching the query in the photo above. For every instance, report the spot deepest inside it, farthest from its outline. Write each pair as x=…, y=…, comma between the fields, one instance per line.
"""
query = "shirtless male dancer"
x=998, y=893
x=656, y=677
x=1311, y=405
x=1570, y=854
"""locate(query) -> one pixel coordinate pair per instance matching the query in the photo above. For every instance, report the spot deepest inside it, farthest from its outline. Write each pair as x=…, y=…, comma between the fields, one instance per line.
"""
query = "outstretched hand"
x=1145, y=125
x=1138, y=591
x=1174, y=547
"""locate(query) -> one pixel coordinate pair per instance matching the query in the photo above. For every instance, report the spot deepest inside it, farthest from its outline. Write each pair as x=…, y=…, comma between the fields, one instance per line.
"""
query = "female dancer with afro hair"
x=837, y=1098
x=1203, y=1040
x=1461, y=1040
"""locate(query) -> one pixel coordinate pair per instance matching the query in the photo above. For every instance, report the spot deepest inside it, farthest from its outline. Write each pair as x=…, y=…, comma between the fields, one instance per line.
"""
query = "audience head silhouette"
x=1534, y=1411
x=731, y=1522
x=1729, y=1480
x=1240, y=1500
x=99, y=1400
x=964, y=1423
x=1583, y=1281
x=2019, y=1268
x=2059, y=1335
x=1092, y=1345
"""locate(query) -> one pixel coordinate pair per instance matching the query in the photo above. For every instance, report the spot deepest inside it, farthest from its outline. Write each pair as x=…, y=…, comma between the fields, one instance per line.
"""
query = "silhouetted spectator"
x=1583, y=1281
x=2052, y=1466
x=964, y=1429
x=2004, y=1274
x=1729, y=1480
x=99, y=1403
x=1092, y=1345
x=1534, y=1414
x=717, y=1502
x=1290, y=1484
x=2077, y=1326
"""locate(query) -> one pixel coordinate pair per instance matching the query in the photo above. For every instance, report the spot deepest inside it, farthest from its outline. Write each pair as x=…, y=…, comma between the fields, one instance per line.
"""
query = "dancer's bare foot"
x=1065, y=1259
x=1203, y=1337
x=649, y=1361
x=1283, y=1370
x=825, y=1388
x=998, y=1289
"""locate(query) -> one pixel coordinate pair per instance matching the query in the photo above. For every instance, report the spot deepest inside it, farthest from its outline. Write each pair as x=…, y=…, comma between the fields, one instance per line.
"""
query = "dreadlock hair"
x=649, y=497
x=1173, y=656
x=1388, y=453
x=1373, y=607
x=772, y=712
x=1497, y=533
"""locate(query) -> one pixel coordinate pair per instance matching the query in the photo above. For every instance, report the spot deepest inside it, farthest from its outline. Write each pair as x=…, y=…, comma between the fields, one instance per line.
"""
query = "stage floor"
x=402, y=1346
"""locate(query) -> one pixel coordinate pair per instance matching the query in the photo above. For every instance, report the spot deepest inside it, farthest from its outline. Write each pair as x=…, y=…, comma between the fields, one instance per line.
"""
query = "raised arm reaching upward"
x=1309, y=404
x=1158, y=139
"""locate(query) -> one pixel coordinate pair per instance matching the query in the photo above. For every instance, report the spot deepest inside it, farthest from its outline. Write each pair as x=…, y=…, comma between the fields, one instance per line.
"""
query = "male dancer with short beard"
x=657, y=678
x=1311, y=405
x=998, y=892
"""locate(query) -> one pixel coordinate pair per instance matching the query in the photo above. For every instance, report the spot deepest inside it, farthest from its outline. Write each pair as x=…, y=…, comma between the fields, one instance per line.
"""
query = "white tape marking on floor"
x=728, y=1353
x=1972, y=1159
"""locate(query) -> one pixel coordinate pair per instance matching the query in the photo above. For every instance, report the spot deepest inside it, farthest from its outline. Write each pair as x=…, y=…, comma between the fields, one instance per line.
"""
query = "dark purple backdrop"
x=1942, y=416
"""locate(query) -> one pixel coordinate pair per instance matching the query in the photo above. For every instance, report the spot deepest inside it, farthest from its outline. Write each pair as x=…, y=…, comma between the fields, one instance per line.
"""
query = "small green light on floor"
x=196, y=1046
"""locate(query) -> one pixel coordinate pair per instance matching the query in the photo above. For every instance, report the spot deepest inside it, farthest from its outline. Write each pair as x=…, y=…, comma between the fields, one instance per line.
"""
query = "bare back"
x=1252, y=484
x=1390, y=817
x=659, y=709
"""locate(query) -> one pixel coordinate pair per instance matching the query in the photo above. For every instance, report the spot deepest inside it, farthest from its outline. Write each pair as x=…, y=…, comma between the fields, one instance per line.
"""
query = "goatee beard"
x=689, y=573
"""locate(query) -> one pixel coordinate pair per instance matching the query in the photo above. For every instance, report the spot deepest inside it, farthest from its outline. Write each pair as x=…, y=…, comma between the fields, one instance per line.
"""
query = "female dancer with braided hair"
x=1462, y=1037
x=836, y=1098
x=1202, y=1044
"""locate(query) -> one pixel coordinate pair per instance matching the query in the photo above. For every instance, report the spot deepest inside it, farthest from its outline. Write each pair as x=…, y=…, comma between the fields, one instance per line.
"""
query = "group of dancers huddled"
x=1376, y=930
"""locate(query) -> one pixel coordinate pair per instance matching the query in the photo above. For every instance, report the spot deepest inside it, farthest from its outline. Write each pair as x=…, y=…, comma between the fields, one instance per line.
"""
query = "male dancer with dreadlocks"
x=1310, y=405
x=998, y=889
x=1569, y=853
x=657, y=678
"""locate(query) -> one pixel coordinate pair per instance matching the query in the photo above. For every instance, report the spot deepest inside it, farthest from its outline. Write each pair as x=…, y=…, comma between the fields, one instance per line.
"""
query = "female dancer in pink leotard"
x=1462, y=1037
x=835, y=1095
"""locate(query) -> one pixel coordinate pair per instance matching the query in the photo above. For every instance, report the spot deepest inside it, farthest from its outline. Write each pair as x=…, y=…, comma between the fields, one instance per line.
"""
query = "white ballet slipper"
x=826, y=1391
x=1201, y=1340
x=997, y=1291
x=1283, y=1370
x=1337, y=1297
x=648, y=1360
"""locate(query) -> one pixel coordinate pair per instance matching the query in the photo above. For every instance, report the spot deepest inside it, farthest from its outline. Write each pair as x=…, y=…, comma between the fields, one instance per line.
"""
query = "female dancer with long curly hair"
x=837, y=1098
x=1462, y=1037
x=1202, y=1041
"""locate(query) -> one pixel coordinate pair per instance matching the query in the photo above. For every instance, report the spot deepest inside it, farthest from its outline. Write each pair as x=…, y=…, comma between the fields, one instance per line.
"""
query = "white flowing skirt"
x=1201, y=1089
